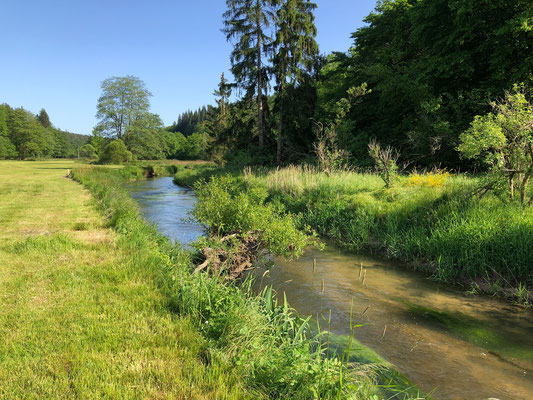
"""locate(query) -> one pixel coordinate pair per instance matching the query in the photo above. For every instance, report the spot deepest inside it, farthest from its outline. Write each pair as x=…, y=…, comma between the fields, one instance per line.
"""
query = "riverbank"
x=271, y=349
x=432, y=222
x=111, y=308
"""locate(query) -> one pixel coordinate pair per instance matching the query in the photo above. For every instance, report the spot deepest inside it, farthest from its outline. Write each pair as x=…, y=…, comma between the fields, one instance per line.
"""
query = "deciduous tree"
x=124, y=103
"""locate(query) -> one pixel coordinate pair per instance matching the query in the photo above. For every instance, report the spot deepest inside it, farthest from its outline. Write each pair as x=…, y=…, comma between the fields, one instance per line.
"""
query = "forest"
x=24, y=135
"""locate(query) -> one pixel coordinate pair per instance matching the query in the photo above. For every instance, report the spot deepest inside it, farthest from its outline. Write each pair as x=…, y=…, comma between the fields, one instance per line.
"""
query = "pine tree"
x=296, y=51
x=247, y=22
x=222, y=93
x=44, y=119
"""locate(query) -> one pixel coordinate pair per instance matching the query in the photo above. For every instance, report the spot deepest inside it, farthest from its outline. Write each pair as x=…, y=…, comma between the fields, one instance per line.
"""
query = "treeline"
x=24, y=135
x=420, y=71
x=189, y=121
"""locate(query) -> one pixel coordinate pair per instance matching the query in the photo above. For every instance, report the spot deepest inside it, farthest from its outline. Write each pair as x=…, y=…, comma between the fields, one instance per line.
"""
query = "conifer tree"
x=247, y=22
x=223, y=93
x=296, y=51
x=44, y=119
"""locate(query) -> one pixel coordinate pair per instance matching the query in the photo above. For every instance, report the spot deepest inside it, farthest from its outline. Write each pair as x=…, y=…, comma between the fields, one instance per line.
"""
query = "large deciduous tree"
x=296, y=52
x=123, y=104
x=247, y=23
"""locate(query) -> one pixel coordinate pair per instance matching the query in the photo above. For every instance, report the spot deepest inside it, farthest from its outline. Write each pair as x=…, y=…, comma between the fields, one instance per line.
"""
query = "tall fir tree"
x=222, y=93
x=247, y=22
x=296, y=52
x=44, y=119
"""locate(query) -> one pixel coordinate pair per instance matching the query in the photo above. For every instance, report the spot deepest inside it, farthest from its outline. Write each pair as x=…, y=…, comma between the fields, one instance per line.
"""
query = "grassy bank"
x=270, y=352
x=81, y=314
x=433, y=222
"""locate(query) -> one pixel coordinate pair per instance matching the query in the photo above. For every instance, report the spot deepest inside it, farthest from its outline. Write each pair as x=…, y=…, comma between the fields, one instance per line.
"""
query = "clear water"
x=463, y=346
x=167, y=205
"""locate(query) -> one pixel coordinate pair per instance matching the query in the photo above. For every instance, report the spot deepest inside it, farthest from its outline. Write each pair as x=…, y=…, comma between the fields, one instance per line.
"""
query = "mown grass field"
x=79, y=316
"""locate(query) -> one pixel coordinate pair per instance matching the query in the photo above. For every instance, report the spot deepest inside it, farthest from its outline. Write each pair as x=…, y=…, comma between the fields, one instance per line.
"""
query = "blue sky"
x=54, y=54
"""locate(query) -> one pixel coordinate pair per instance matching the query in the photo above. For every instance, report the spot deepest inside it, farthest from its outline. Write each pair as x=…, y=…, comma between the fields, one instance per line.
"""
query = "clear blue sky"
x=54, y=54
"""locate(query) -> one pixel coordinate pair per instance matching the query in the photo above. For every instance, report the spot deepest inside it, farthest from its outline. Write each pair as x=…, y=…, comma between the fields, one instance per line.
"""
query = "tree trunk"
x=511, y=186
x=259, y=81
x=280, y=129
x=523, y=189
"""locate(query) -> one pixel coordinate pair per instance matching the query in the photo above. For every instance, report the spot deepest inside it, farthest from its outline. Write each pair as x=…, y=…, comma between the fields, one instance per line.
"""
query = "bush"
x=115, y=153
x=225, y=209
x=88, y=150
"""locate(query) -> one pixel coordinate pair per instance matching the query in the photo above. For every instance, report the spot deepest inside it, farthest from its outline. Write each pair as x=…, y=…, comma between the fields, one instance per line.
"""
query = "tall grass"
x=431, y=220
x=266, y=344
x=443, y=227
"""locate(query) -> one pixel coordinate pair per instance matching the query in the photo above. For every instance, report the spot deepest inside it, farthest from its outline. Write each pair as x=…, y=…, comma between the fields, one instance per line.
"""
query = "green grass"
x=445, y=230
x=81, y=314
x=96, y=304
x=270, y=349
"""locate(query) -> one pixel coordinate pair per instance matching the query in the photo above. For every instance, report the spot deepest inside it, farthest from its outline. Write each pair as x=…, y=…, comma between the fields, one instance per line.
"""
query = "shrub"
x=88, y=150
x=435, y=179
x=115, y=153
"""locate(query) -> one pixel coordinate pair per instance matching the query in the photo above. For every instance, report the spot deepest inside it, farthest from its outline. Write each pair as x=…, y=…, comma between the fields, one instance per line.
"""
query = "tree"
x=247, y=21
x=503, y=139
x=43, y=119
x=7, y=148
x=115, y=153
x=222, y=93
x=296, y=52
x=123, y=104
x=27, y=134
x=88, y=150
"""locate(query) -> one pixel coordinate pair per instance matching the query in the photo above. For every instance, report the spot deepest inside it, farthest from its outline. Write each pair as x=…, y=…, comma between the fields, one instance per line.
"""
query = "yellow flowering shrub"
x=434, y=179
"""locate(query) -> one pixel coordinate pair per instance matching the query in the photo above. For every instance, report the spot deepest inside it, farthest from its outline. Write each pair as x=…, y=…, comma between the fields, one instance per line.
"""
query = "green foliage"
x=44, y=119
x=247, y=23
x=115, y=153
x=189, y=121
x=23, y=135
x=330, y=156
x=124, y=103
x=226, y=209
x=439, y=228
x=88, y=150
x=431, y=66
x=503, y=139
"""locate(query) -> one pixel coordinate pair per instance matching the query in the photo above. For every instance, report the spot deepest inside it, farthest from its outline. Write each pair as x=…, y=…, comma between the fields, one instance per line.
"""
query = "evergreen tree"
x=247, y=22
x=222, y=93
x=296, y=52
x=43, y=119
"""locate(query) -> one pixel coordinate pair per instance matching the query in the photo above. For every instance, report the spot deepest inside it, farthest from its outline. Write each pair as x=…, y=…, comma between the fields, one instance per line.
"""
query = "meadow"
x=81, y=313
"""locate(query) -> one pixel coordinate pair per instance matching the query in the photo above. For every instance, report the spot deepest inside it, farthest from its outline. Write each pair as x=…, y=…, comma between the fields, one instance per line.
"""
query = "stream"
x=462, y=346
